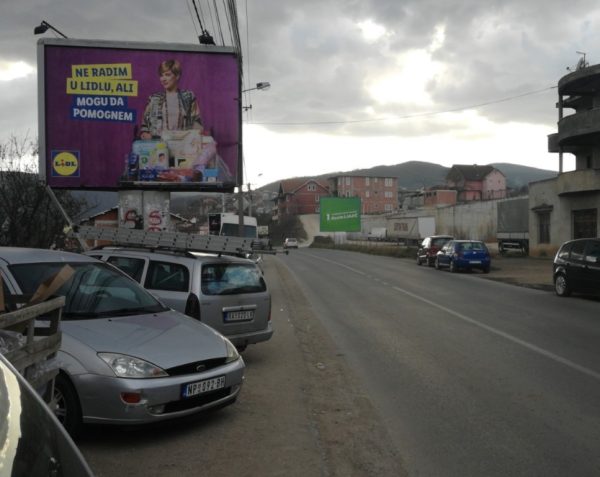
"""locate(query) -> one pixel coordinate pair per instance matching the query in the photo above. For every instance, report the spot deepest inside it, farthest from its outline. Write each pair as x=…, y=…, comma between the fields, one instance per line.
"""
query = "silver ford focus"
x=125, y=358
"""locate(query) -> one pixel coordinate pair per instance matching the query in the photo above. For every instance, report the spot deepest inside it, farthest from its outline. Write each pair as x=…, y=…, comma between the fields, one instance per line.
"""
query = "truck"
x=378, y=234
x=513, y=225
x=410, y=230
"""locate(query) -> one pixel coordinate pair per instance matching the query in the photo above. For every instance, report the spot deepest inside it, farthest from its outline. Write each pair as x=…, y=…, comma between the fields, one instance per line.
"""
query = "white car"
x=290, y=243
x=225, y=292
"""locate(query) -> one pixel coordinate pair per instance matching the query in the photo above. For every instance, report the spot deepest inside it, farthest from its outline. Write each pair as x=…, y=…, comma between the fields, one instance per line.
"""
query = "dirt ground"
x=524, y=271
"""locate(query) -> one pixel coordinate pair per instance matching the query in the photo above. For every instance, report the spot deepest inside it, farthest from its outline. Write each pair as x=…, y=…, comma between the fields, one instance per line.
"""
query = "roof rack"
x=179, y=241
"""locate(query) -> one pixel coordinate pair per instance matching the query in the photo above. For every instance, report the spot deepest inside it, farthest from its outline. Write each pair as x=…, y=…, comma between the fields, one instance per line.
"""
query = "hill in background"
x=417, y=174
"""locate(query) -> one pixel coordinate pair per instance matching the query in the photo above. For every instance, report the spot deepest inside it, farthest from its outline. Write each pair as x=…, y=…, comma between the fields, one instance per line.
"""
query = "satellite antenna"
x=581, y=63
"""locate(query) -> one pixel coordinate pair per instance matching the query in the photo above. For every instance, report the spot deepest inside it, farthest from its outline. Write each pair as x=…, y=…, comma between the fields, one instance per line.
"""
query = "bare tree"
x=28, y=216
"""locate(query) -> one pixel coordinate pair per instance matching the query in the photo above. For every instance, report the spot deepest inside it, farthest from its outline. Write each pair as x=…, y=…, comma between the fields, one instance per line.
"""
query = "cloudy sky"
x=354, y=83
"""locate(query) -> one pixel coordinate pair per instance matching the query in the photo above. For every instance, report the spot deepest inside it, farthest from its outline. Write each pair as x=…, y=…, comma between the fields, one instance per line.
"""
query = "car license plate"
x=240, y=315
x=201, y=387
x=475, y=261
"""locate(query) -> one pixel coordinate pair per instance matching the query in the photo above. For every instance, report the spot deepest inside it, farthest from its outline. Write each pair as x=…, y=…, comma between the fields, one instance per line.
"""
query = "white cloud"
x=407, y=83
x=371, y=31
x=11, y=70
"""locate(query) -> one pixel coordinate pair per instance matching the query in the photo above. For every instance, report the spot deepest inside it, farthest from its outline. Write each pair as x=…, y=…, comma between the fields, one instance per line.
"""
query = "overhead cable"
x=408, y=116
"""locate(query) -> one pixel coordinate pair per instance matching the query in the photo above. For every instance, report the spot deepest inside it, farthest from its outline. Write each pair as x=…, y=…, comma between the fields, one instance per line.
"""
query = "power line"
x=408, y=116
x=192, y=17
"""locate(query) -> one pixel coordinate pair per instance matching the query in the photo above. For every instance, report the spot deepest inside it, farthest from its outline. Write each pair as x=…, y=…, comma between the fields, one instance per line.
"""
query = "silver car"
x=124, y=358
x=227, y=293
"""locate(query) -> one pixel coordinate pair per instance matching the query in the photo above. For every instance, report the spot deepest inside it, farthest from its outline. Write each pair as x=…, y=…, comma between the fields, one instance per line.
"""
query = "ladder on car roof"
x=178, y=241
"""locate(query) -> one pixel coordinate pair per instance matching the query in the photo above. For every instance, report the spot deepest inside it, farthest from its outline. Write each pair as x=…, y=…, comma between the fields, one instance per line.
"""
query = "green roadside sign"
x=340, y=214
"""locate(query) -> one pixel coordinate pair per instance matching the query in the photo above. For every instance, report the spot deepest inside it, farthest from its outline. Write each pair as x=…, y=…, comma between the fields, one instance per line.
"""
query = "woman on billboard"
x=171, y=109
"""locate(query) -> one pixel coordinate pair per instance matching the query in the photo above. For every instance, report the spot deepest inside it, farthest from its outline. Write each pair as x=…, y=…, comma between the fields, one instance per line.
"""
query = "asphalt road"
x=471, y=377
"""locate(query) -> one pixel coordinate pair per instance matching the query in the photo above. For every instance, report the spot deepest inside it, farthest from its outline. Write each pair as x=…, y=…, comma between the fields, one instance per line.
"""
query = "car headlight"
x=232, y=352
x=129, y=367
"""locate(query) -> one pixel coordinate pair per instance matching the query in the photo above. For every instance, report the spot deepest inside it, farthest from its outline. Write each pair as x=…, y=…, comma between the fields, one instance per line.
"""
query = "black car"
x=429, y=247
x=576, y=267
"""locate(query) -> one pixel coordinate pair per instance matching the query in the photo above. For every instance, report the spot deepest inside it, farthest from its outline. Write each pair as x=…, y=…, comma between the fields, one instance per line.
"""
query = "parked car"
x=225, y=292
x=429, y=247
x=124, y=357
x=464, y=255
x=576, y=267
x=32, y=441
x=290, y=243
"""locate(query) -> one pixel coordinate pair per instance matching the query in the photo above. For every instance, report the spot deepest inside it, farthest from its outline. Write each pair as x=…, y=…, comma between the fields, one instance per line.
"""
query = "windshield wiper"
x=133, y=311
x=75, y=315
x=245, y=289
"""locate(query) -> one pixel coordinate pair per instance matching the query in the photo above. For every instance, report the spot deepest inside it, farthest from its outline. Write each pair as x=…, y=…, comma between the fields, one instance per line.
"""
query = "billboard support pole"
x=52, y=195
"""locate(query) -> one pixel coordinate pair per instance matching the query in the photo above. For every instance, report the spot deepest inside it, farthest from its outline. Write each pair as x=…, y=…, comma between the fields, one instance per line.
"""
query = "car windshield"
x=439, y=242
x=479, y=246
x=231, y=278
x=95, y=290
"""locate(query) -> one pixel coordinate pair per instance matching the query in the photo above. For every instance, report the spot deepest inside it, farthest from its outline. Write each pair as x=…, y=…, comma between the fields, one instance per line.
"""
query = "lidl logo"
x=65, y=163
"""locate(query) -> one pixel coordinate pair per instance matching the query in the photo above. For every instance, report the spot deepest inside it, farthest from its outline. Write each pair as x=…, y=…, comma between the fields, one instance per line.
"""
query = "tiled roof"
x=470, y=173
x=289, y=186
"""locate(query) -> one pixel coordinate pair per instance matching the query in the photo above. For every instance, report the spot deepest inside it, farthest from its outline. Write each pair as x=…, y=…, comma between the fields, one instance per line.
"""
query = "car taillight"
x=192, y=307
x=269, y=310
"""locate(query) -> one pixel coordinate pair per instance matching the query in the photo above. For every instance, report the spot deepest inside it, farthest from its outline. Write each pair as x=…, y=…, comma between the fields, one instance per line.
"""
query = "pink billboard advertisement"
x=117, y=116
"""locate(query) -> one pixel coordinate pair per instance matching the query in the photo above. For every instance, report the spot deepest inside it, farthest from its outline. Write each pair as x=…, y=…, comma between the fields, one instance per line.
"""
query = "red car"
x=429, y=248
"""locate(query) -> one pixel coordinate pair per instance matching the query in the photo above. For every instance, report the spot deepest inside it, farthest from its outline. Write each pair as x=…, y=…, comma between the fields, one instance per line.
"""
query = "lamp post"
x=44, y=27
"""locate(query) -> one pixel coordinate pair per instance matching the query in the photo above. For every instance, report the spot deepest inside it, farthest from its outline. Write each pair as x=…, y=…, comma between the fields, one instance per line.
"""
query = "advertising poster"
x=340, y=214
x=117, y=116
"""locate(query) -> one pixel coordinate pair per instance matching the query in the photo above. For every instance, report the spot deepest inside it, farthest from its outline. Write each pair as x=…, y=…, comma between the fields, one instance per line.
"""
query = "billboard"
x=130, y=115
x=340, y=214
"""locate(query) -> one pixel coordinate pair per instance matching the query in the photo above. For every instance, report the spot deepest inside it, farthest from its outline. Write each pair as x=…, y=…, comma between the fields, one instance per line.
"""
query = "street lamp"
x=44, y=27
x=262, y=86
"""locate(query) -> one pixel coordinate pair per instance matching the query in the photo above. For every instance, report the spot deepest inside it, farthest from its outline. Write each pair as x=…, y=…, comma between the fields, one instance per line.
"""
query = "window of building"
x=367, y=181
x=367, y=194
x=311, y=187
x=317, y=198
x=317, y=209
x=348, y=181
x=543, y=227
x=585, y=223
x=389, y=182
x=375, y=180
x=389, y=194
x=387, y=207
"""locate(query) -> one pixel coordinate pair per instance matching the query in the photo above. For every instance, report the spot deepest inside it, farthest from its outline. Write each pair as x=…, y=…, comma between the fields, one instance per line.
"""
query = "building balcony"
x=578, y=182
x=580, y=129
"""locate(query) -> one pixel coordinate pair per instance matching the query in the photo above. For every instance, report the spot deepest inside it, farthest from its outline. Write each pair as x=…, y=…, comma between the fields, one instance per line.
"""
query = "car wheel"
x=453, y=268
x=66, y=405
x=561, y=285
x=436, y=264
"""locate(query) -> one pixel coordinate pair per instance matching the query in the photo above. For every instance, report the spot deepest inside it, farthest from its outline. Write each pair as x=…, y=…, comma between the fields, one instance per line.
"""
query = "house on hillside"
x=476, y=182
x=377, y=194
x=300, y=196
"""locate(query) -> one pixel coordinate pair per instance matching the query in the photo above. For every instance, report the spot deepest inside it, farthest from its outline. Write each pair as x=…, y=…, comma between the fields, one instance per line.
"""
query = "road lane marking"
x=514, y=339
x=491, y=329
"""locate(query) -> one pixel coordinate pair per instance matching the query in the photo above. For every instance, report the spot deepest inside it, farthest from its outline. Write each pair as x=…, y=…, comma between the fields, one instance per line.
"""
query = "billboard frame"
x=220, y=187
